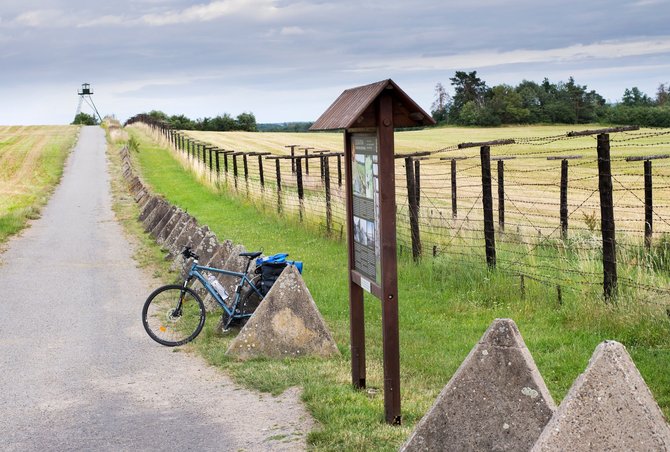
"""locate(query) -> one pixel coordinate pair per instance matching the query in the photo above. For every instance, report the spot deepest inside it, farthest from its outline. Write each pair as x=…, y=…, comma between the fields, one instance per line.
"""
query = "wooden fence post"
x=260, y=171
x=501, y=195
x=487, y=201
x=278, y=168
x=218, y=164
x=292, y=147
x=326, y=182
x=413, y=208
x=607, y=217
x=564, y=199
x=339, y=170
x=648, y=205
x=235, y=168
x=298, y=171
x=417, y=184
x=454, y=207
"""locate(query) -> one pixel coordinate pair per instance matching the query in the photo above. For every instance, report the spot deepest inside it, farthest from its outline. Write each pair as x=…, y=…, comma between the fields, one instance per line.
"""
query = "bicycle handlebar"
x=187, y=253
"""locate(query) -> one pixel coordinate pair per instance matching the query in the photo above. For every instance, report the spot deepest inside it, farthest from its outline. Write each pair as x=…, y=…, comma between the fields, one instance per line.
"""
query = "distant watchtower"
x=85, y=94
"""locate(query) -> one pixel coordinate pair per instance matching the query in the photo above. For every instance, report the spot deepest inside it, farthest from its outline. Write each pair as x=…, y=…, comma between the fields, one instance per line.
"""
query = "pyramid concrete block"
x=193, y=241
x=496, y=400
x=155, y=216
x=171, y=224
x=609, y=407
x=148, y=207
x=183, y=237
x=218, y=260
x=162, y=222
x=170, y=241
x=287, y=324
x=234, y=263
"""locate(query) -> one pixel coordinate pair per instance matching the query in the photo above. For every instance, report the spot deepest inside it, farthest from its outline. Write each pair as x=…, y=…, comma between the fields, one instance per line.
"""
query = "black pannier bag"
x=269, y=273
x=271, y=267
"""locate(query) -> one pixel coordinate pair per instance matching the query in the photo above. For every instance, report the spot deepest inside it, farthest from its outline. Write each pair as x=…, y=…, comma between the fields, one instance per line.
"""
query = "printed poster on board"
x=365, y=175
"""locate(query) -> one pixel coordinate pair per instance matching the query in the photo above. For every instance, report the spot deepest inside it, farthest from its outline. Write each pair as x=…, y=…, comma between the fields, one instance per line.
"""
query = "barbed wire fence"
x=582, y=211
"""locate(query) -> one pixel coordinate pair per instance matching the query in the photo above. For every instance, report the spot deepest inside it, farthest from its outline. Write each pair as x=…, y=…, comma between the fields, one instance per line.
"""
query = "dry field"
x=31, y=161
x=532, y=182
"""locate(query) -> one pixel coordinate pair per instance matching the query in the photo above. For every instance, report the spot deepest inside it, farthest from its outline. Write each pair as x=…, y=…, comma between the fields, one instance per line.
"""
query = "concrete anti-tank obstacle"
x=148, y=207
x=218, y=260
x=609, y=407
x=182, y=238
x=194, y=240
x=156, y=214
x=496, y=400
x=287, y=324
x=165, y=232
x=169, y=243
x=155, y=231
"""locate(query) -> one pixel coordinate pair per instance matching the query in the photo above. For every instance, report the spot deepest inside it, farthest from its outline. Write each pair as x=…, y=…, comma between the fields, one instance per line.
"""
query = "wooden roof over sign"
x=356, y=107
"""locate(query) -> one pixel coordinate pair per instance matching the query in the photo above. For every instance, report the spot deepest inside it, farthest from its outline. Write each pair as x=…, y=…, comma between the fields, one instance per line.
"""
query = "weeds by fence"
x=584, y=211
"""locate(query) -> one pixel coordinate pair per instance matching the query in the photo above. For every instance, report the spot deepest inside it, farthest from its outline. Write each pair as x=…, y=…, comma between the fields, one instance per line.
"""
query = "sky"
x=287, y=60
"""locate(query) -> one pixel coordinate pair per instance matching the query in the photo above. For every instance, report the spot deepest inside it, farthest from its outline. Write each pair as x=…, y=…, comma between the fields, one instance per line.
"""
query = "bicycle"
x=175, y=314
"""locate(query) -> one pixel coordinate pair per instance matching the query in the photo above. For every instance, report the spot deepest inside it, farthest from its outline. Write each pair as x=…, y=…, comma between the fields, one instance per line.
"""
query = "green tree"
x=223, y=123
x=506, y=104
x=467, y=88
x=635, y=98
x=246, y=122
x=85, y=119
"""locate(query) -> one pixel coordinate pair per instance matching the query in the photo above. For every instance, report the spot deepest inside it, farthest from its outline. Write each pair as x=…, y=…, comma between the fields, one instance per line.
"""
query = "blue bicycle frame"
x=194, y=273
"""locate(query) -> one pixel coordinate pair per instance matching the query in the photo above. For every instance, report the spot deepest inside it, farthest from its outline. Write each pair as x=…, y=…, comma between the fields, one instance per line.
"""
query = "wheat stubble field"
x=31, y=163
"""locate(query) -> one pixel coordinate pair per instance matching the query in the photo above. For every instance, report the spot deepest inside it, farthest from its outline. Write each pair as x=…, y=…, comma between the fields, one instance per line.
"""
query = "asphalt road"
x=77, y=370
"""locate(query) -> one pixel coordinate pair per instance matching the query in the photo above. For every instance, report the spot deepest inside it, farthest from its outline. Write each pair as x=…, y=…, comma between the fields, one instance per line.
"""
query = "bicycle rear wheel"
x=173, y=315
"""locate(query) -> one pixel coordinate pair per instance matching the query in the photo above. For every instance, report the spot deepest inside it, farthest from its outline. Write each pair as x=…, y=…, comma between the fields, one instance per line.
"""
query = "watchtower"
x=85, y=93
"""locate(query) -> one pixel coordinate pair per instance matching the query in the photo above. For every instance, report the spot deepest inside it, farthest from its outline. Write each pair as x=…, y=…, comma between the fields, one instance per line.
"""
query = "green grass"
x=445, y=306
x=31, y=164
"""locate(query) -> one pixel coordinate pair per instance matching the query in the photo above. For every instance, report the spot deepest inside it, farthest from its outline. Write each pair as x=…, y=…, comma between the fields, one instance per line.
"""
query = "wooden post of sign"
x=368, y=118
x=356, y=307
x=607, y=217
x=389, y=298
x=487, y=201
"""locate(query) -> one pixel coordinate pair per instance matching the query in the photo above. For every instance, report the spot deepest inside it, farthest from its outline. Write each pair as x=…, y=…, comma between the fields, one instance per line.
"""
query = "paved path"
x=77, y=371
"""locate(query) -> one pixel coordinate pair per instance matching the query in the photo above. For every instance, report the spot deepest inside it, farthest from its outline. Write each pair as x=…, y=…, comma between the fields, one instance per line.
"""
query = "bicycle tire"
x=163, y=326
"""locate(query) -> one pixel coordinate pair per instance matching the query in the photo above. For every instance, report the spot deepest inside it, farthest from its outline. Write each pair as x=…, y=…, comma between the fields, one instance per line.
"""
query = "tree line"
x=223, y=123
x=474, y=103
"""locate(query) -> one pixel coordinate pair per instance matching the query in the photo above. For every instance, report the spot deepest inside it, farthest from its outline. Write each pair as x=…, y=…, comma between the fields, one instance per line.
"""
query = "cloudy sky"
x=287, y=60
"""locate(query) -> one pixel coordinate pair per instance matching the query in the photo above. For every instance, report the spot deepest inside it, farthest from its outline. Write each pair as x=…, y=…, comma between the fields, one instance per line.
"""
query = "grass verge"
x=445, y=306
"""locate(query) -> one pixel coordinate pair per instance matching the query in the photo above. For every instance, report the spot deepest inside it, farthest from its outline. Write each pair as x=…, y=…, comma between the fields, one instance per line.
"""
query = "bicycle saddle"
x=251, y=255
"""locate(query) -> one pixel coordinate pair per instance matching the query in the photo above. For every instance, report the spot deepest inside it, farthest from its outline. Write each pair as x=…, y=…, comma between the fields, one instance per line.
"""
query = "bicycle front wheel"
x=173, y=315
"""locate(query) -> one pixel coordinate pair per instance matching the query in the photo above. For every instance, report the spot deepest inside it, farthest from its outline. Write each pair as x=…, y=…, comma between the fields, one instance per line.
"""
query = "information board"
x=365, y=175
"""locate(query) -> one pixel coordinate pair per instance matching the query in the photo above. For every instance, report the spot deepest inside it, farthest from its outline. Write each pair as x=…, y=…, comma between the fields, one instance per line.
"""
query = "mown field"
x=31, y=163
x=445, y=304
